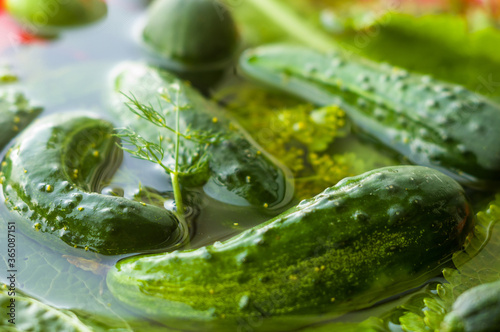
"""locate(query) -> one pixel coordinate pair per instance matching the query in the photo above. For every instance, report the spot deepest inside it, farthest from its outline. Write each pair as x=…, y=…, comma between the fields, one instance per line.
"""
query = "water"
x=73, y=74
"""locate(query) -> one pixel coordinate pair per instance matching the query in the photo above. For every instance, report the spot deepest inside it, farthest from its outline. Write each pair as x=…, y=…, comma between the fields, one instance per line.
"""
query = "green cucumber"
x=15, y=115
x=476, y=310
x=429, y=122
x=51, y=179
x=171, y=31
x=365, y=239
x=239, y=171
x=48, y=17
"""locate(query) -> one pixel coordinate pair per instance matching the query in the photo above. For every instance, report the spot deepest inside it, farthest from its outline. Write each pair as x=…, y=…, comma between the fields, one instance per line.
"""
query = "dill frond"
x=194, y=143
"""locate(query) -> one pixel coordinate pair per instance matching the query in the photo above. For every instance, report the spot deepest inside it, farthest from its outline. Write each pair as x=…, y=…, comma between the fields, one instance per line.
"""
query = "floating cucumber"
x=198, y=50
x=430, y=122
x=171, y=31
x=476, y=310
x=15, y=115
x=49, y=16
x=361, y=241
x=50, y=182
x=238, y=167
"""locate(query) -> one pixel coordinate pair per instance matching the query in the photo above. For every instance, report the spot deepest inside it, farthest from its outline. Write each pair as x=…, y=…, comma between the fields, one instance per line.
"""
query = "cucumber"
x=171, y=31
x=476, y=310
x=365, y=239
x=49, y=17
x=429, y=122
x=15, y=115
x=238, y=169
x=51, y=179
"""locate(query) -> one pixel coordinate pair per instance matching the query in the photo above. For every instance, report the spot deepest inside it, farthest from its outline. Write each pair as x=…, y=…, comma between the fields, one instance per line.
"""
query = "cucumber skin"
x=171, y=32
x=15, y=115
x=237, y=162
x=429, y=122
x=45, y=155
x=412, y=217
x=57, y=13
x=476, y=310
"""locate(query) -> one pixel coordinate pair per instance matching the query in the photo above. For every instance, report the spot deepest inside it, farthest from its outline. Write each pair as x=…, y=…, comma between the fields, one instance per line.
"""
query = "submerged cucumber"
x=361, y=241
x=430, y=122
x=15, y=115
x=51, y=180
x=237, y=166
x=476, y=310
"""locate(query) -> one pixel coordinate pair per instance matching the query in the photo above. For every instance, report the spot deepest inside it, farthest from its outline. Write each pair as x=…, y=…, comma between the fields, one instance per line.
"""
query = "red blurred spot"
x=11, y=34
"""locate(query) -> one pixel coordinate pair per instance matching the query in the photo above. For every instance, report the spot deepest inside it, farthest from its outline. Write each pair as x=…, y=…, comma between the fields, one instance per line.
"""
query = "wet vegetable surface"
x=59, y=287
x=51, y=178
x=427, y=121
x=336, y=252
x=235, y=162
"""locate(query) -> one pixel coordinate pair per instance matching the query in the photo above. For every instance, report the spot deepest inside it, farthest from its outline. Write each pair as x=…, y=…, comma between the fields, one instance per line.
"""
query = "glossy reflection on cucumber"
x=426, y=121
x=50, y=180
x=364, y=240
x=239, y=172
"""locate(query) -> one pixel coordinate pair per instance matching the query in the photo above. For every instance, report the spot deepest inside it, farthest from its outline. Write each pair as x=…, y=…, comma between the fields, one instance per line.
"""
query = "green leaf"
x=439, y=45
x=370, y=325
x=480, y=263
x=413, y=322
x=271, y=21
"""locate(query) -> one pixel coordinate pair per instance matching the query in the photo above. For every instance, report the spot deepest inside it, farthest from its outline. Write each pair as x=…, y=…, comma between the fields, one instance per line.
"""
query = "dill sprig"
x=142, y=148
x=149, y=113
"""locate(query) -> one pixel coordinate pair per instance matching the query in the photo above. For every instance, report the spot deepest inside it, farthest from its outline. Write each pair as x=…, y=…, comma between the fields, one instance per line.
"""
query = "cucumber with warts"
x=236, y=164
x=51, y=178
x=361, y=241
x=429, y=122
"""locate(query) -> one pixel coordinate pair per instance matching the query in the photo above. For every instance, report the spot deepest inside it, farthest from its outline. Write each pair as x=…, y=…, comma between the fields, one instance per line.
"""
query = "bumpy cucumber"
x=15, y=115
x=431, y=123
x=363, y=240
x=50, y=182
x=476, y=310
x=236, y=163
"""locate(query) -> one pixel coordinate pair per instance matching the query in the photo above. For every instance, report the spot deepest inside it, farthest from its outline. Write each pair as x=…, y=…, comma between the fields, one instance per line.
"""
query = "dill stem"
x=175, y=174
x=177, y=193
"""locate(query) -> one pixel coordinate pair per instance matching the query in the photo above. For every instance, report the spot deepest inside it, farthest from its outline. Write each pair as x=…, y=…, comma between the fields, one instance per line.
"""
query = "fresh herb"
x=155, y=152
